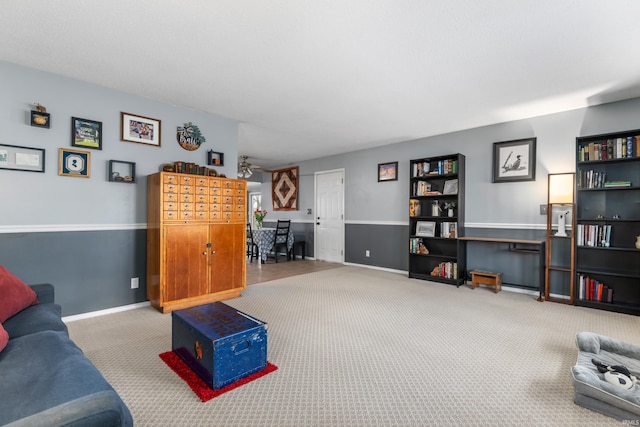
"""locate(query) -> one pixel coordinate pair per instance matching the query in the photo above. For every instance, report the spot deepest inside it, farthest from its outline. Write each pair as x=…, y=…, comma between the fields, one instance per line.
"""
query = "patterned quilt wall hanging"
x=284, y=189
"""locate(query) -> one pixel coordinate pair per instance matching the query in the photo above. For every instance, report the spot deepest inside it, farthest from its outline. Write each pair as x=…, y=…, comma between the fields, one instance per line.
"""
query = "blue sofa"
x=45, y=379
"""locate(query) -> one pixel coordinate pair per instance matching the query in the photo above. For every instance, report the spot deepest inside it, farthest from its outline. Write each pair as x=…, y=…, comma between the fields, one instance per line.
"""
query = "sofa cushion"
x=40, y=317
x=16, y=295
x=44, y=370
x=4, y=338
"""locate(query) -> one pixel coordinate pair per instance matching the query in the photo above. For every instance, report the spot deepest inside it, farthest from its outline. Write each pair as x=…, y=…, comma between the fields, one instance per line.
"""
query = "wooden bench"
x=486, y=278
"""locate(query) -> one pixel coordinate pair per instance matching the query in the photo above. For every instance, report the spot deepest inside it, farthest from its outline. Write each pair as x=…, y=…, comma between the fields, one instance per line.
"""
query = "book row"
x=593, y=290
x=448, y=270
x=613, y=148
x=597, y=235
x=592, y=179
x=435, y=167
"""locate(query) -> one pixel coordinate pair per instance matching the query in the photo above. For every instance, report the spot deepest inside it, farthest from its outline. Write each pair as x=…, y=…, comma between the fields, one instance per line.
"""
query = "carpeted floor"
x=360, y=347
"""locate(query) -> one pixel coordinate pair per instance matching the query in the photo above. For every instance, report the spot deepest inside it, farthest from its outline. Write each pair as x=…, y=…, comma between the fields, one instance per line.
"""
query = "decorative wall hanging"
x=189, y=137
x=143, y=130
x=74, y=163
x=39, y=117
x=215, y=158
x=388, y=171
x=21, y=158
x=284, y=189
x=86, y=133
x=121, y=171
x=514, y=160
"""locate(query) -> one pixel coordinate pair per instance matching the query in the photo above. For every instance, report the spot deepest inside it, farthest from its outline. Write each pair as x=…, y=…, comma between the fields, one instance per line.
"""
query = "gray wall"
x=373, y=208
x=87, y=236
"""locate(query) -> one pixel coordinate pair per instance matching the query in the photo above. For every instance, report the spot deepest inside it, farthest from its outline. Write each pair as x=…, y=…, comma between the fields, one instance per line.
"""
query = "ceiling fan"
x=246, y=169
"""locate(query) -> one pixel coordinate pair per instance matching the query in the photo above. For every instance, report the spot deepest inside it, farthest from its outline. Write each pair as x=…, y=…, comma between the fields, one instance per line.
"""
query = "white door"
x=329, y=235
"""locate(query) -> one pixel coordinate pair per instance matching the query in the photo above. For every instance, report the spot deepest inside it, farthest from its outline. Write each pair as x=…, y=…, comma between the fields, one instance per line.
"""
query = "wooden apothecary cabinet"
x=196, y=229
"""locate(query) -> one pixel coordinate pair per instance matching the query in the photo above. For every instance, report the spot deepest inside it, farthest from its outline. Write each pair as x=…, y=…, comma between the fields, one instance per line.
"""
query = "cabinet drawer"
x=215, y=207
x=215, y=191
x=186, y=197
x=170, y=179
x=215, y=199
x=214, y=183
x=227, y=207
x=186, y=215
x=171, y=188
x=202, y=181
x=215, y=215
x=227, y=184
x=228, y=191
x=187, y=180
x=227, y=199
x=201, y=198
x=240, y=200
x=199, y=215
x=241, y=185
x=200, y=207
x=170, y=206
x=170, y=197
x=187, y=189
x=185, y=206
x=170, y=215
x=199, y=189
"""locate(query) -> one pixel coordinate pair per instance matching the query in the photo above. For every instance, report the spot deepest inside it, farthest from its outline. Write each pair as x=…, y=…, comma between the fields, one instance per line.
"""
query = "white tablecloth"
x=263, y=237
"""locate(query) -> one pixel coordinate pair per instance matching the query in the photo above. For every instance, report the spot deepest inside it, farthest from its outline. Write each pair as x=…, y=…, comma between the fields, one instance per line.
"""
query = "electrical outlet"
x=367, y=253
x=135, y=283
x=543, y=209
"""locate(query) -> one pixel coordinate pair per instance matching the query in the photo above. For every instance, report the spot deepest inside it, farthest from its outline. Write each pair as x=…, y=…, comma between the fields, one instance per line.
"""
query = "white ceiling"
x=309, y=78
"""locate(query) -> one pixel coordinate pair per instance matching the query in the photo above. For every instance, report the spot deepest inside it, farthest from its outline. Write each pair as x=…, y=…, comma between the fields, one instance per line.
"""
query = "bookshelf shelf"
x=436, y=184
x=608, y=219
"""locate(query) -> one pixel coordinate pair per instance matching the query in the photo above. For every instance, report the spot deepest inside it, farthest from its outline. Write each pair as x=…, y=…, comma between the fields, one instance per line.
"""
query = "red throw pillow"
x=4, y=338
x=16, y=296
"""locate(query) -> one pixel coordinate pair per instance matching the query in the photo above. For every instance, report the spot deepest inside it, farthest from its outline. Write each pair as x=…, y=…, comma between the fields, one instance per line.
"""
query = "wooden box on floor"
x=220, y=343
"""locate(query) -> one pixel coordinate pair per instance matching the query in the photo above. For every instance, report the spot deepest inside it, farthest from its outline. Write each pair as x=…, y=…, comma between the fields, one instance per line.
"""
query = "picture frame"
x=86, y=133
x=425, y=228
x=40, y=119
x=450, y=186
x=514, y=161
x=140, y=129
x=284, y=189
x=75, y=163
x=388, y=171
x=15, y=157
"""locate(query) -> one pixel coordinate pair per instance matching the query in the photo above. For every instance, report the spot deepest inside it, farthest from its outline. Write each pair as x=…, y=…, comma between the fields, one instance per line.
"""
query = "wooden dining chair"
x=252, y=247
x=281, y=237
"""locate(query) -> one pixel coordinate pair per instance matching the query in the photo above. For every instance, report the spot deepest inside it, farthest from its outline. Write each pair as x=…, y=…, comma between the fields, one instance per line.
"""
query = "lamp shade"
x=561, y=187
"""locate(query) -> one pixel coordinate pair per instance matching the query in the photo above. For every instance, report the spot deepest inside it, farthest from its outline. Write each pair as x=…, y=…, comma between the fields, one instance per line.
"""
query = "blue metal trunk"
x=220, y=343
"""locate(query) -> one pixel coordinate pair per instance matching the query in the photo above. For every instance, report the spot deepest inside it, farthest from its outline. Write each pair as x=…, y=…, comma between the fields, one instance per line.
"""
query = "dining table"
x=263, y=237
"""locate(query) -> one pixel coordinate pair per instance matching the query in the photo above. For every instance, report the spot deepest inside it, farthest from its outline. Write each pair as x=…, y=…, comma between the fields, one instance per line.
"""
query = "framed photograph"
x=388, y=171
x=17, y=158
x=514, y=160
x=143, y=130
x=425, y=228
x=74, y=163
x=450, y=187
x=86, y=133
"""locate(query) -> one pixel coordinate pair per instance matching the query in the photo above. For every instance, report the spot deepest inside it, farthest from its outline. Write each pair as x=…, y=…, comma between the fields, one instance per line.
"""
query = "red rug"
x=199, y=387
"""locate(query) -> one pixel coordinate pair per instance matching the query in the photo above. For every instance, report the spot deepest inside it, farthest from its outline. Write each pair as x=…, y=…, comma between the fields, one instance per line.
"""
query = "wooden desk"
x=513, y=247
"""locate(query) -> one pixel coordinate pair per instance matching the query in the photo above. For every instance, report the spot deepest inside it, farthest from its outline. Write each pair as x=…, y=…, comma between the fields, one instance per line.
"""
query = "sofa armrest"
x=45, y=292
x=594, y=343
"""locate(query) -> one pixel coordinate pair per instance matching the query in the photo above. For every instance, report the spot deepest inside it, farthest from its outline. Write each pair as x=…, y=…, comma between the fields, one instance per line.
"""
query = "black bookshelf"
x=436, y=219
x=608, y=221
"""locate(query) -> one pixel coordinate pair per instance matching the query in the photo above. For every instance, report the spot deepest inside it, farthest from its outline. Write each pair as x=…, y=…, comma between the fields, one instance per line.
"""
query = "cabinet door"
x=186, y=258
x=228, y=261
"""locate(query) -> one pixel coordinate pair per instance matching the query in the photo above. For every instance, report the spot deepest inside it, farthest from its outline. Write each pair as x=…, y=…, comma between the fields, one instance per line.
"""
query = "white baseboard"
x=67, y=319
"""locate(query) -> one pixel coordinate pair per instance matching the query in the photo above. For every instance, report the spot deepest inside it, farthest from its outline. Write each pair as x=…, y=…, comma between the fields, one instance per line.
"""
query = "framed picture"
x=86, y=133
x=514, y=160
x=143, y=130
x=425, y=228
x=388, y=171
x=450, y=187
x=74, y=163
x=17, y=158
x=284, y=189
x=40, y=119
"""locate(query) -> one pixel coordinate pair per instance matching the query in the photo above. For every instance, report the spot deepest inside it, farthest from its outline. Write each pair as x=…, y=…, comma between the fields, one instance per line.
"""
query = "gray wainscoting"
x=91, y=270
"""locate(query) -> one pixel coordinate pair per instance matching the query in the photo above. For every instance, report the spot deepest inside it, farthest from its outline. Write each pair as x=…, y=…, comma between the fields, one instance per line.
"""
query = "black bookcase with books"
x=436, y=219
x=608, y=222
